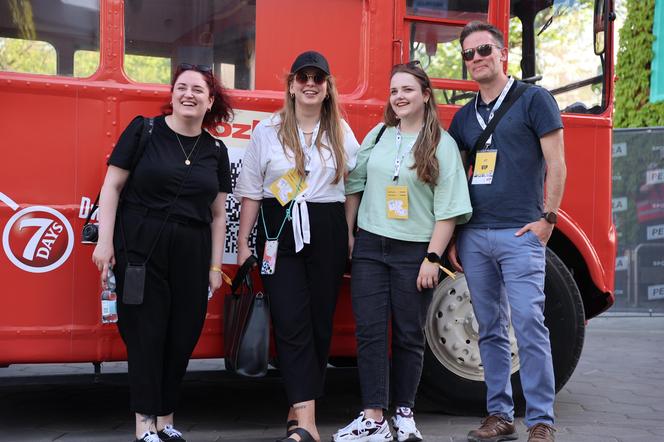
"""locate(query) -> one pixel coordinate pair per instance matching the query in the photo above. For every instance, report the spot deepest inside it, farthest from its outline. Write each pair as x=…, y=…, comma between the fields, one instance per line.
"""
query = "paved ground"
x=616, y=394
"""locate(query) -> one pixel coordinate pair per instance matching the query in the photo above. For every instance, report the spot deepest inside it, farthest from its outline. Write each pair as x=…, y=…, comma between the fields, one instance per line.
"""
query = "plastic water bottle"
x=109, y=309
x=109, y=305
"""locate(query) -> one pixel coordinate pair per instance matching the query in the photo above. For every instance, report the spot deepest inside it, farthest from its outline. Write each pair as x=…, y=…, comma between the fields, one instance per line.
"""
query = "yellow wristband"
x=224, y=276
x=447, y=271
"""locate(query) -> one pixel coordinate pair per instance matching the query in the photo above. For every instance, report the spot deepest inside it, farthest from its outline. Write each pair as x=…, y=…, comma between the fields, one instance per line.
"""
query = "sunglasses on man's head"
x=318, y=77
x=483, y=50
x=202, y=68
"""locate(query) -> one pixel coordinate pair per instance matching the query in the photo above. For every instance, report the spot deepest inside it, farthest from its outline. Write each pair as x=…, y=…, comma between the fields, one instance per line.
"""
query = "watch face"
x=433, y=257
x=551, y=217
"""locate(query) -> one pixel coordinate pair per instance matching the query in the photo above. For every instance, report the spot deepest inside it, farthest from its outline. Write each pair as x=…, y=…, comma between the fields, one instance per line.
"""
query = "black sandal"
x=289, y=424
x=305, y=436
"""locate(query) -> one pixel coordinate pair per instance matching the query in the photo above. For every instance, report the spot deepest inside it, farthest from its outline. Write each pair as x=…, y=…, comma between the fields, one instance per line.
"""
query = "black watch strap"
x=433, y=257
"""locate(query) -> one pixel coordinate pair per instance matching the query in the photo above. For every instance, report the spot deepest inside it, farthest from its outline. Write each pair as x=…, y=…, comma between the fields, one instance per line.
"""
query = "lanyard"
x=286, y=217
x=399, y=160
x=493, y=110
x=308, y=150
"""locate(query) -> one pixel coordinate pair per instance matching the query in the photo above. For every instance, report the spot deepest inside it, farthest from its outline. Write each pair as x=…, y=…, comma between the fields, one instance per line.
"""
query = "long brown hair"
x=330, y=125
x=424, y=150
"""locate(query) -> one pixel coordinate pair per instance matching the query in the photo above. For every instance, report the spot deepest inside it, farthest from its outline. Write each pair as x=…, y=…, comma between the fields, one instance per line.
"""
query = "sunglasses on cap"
x=318, y=78
x=202, y=68
x=483, y=50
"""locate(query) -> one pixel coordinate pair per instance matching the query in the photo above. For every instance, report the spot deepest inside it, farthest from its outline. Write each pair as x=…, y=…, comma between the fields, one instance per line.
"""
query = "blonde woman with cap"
x=292, y=182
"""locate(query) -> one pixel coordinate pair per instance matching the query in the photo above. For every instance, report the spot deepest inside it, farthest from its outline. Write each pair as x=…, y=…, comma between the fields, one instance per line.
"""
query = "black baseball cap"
x=310, y=59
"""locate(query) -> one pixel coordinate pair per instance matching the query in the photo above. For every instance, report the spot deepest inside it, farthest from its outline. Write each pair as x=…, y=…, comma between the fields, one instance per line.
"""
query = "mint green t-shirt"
x=426, y=204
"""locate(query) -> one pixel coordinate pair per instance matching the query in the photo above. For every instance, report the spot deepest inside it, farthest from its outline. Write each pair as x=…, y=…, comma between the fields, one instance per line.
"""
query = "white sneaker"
x=364, y=430
x=149, y=436
x=404, y=425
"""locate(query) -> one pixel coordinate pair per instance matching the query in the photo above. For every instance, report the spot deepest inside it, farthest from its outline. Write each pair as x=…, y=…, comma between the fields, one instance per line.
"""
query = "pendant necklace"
x=186, y=157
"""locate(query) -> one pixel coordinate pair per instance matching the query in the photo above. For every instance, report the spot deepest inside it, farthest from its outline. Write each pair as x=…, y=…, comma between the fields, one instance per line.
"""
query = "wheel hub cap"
x=453, y=333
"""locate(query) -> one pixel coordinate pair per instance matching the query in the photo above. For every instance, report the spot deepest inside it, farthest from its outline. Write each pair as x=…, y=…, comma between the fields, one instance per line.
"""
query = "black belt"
x=161, y=215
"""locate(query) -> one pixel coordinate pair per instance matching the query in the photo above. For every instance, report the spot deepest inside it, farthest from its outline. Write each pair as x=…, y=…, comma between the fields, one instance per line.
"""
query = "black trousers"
x=161, y=333
x=303, y=293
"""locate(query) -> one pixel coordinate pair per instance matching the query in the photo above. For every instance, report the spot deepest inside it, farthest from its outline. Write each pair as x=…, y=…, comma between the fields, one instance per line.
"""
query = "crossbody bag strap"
x=380, y=134
x=168, y=214
x=146, y=132
x=517, y=90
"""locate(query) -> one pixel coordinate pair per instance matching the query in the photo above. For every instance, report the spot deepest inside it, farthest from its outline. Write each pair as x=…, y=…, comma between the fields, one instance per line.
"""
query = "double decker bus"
x=73, y=73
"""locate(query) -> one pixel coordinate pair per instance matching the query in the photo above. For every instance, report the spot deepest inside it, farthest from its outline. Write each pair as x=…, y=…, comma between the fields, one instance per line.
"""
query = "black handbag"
x=246, y=325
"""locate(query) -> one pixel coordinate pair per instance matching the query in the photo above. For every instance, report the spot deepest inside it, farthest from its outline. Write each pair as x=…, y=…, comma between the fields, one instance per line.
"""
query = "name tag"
x=287, y=186
x=397, y=202
x=485, y=166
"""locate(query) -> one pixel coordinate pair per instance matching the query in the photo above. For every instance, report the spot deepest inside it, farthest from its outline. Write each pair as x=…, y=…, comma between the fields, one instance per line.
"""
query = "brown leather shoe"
x=541, y=433
x=493, y=429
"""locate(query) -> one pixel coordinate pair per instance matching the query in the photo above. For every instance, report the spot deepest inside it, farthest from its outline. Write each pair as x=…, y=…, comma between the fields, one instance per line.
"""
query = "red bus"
x=73, y=73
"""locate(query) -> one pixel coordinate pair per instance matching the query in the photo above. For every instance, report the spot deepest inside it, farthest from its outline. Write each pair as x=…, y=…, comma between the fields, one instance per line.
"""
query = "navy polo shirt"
x=516, y=195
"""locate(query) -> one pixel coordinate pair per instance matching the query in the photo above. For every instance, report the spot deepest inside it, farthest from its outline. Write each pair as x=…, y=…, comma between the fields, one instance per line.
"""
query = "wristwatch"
x=550, y=217
x=433, y=258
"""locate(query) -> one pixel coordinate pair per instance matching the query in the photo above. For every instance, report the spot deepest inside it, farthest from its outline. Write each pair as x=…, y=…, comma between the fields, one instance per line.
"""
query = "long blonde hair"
x=330, y=125
x=424, y=150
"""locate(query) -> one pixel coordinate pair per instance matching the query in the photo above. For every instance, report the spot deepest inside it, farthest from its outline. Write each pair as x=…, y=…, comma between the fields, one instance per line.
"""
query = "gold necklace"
x=186, y=157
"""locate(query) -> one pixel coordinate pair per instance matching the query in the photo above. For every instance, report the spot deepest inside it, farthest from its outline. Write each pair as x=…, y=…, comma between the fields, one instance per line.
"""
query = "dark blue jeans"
x=384, y=288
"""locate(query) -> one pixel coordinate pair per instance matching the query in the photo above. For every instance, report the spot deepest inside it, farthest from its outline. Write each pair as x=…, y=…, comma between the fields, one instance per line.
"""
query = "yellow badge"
x=397, y=202
x=485, y=165
x=287, y=186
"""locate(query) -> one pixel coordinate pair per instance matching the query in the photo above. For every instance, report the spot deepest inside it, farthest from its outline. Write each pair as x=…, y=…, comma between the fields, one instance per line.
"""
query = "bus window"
x=466, y=10
x=27, y=56
x=43, y=36
x=437, y=48
x=436, y=45
x=553, y=47
x=147, y=69
x=159, y=34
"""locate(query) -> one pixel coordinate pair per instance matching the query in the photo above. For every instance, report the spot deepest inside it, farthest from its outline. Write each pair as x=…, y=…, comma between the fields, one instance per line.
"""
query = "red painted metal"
x=57, y=133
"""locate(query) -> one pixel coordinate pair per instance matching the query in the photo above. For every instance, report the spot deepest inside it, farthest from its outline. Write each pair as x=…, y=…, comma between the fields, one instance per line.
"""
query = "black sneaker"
x=149, y=436
x=170, y=434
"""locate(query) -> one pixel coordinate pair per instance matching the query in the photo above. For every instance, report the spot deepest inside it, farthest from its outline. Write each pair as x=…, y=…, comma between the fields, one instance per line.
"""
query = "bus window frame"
x=402, y=21
x=499, y=16
x=72, y=77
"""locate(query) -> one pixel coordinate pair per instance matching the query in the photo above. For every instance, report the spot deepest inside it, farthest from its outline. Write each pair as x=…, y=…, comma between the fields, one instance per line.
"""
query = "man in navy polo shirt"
x=503, y=246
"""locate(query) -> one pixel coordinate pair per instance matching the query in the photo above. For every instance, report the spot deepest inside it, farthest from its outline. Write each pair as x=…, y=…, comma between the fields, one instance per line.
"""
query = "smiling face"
x=489, y=68
x=407, y=98
x=308, y=93
x=191, y=95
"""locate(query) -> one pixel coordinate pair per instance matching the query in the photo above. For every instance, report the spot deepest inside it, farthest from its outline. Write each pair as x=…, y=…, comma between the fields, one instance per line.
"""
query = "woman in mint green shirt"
x=411, y=191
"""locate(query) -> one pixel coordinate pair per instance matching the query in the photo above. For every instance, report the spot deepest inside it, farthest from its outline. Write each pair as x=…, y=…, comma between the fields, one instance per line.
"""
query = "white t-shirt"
x=265, y=161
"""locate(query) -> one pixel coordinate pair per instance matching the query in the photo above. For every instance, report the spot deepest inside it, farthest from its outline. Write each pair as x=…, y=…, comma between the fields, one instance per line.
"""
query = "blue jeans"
x=505, y=275
x=384, y=286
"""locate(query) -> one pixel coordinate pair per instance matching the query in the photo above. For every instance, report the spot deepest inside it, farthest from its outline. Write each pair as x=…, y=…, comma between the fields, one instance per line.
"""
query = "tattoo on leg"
x=147, y=419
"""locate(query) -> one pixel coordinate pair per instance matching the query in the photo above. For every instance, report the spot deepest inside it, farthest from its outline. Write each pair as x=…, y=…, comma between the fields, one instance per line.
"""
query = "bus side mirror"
x=601, y=19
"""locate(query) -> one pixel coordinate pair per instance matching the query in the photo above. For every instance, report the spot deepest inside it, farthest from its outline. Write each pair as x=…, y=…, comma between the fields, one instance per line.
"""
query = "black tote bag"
x=246, y=325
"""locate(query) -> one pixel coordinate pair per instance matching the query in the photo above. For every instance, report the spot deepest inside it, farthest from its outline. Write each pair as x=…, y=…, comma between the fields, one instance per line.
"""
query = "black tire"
x=461, y=390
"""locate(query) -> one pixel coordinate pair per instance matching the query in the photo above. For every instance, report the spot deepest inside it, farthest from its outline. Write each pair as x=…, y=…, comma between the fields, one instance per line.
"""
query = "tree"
x=633, y=106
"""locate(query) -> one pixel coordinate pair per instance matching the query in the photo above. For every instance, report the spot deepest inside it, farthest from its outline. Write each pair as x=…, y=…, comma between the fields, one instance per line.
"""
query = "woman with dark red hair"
x=162, y=231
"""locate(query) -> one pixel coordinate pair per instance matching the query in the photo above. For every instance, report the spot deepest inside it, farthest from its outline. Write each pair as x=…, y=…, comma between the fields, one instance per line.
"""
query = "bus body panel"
x=59, y=131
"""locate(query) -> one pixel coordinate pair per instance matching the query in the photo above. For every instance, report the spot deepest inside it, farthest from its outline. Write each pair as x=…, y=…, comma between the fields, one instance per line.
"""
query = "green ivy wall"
x=632, y=106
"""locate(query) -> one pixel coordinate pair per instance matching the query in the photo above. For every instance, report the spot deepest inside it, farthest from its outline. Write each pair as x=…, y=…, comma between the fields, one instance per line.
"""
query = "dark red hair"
x=221, y=107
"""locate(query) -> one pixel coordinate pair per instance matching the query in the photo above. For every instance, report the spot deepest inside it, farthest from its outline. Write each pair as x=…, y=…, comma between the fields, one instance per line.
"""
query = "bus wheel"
x=453, y=376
